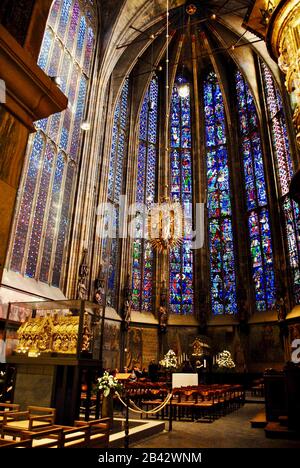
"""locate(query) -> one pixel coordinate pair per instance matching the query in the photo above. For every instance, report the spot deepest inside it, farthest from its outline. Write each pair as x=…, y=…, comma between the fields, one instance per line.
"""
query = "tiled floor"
x=232, y=431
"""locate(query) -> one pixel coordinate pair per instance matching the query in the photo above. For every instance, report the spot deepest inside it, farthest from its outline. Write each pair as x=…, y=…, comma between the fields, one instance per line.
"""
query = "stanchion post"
x=170, y=414
x=126, y=442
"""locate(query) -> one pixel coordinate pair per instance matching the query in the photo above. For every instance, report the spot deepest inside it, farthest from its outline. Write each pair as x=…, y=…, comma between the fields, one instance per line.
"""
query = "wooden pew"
x=98, y=432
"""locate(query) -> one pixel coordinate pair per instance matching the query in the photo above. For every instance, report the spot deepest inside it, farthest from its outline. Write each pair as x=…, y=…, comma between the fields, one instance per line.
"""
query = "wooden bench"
x=98, y=432
x=4, y=443
x=14, y=422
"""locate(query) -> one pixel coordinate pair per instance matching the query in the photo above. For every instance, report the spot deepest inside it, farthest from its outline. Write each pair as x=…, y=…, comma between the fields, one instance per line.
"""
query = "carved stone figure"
x=81, y=290
x=163, y=319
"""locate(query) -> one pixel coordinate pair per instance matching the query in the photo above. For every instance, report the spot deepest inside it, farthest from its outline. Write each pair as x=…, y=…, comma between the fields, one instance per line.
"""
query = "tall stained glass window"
x=256, y=198
x=221, y=242
x=285, y=172
x=142, y=268
x=111, y=247
x=181, y=257
x=45, y=197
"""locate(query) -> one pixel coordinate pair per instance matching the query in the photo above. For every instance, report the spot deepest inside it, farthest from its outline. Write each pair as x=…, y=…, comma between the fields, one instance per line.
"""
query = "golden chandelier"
x=166, y=225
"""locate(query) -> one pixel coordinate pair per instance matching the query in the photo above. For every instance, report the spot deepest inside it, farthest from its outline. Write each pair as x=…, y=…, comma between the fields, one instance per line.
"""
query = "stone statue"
x=163, y=318
x=127, y=305
x=81, y=290
x=83, y=274
x=100, y=288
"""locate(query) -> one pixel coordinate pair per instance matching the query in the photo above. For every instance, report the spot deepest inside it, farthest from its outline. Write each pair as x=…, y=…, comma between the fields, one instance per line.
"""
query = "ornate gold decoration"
x=48, y=334
x=191, y=9
x=283, y=40
x=166, y=225
x=86, y=335
x=200, y=348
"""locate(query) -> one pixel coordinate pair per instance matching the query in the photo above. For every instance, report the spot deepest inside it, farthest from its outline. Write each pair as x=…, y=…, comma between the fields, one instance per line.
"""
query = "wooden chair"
x=16, y=421
x=57, y=437
x=43, y=412
x=43, y=438
x=7, y=407
x=186, y=404
x=206, y=404
x=98, y=432
x=4, y=443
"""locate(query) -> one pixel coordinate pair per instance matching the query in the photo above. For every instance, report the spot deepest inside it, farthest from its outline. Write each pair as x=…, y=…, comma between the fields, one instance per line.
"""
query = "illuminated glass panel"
x=285, y=172
x=181, y=257
x=44, y=200
x=110, y=247
x=142, y=264
x=221, y=242
x=256, y=198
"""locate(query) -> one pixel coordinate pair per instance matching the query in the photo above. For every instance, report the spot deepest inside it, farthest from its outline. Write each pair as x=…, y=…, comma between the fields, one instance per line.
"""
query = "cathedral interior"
x=150, y=202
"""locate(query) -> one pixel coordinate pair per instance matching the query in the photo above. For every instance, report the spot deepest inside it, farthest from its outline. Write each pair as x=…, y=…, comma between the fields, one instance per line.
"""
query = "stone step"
x=274, y=430
x=259, y=420
x=283, y=420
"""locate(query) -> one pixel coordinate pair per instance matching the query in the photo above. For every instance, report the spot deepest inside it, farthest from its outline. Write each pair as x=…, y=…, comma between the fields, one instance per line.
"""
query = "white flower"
x=224, y=360
x=169, y=360
x=107, y=382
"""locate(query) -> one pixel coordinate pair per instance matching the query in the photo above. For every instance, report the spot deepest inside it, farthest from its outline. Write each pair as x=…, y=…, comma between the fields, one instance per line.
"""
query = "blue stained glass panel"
x=65, y=14
x=221, y=245
x=35, y=157
x=256, y=198
x=54, y=13
x=38, y=220
x=63, y=227
x=181, y=293
x=142, y=270
x=45, y=49
x=73, y=25
x=65, y=34
x=52, y=222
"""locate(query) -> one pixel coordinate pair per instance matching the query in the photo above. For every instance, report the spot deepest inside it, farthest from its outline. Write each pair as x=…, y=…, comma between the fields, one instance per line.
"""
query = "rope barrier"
x=139, y=410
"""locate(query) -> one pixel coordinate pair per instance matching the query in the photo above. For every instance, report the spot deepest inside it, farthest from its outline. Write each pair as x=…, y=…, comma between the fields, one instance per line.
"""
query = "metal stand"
x=126, y=441
x=171, y=415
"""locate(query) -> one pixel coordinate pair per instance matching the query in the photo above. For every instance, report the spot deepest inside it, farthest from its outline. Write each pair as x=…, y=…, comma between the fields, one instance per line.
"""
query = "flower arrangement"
x=108, y=382
x=169, y=361
x=224, y=360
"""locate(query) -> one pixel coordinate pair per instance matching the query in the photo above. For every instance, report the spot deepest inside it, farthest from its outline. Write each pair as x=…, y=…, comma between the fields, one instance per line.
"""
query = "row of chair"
x=197, y=402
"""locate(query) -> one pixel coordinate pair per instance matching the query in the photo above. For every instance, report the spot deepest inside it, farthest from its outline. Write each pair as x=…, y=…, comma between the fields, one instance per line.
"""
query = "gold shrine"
x=48, y=334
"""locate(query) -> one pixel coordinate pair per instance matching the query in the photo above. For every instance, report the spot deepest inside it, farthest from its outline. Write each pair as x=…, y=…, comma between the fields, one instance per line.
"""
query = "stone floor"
x=232, y=431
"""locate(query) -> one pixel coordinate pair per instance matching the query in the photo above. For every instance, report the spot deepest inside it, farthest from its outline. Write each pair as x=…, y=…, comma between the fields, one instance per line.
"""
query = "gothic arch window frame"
x=143, y=268
x=181, y=170
x=62, y=131
x=220, y=218
x=284, y=170
x=117, y=162
x=256, y=196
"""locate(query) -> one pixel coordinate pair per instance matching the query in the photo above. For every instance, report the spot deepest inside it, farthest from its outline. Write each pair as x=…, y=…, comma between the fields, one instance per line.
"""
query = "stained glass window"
x=181, y=257
x=221, y=241
x=285, y=171
x=111, y=247
x=261, y=250
x=45, y=197
x=142, y=266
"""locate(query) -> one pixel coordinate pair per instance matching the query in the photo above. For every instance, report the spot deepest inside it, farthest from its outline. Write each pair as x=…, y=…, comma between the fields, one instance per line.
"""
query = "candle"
x=204, y=362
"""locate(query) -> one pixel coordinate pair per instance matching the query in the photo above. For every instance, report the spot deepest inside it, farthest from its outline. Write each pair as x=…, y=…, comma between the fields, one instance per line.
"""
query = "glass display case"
x=68, y=328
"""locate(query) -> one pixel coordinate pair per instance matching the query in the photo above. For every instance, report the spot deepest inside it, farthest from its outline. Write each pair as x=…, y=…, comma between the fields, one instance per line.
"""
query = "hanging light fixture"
x=183, y=90
x=166, y=219
x=183, y=87
x=166, y=225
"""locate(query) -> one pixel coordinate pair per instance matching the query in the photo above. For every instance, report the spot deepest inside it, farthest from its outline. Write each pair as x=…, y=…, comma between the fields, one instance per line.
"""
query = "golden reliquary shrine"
x=150, y=218
x=48, y=334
